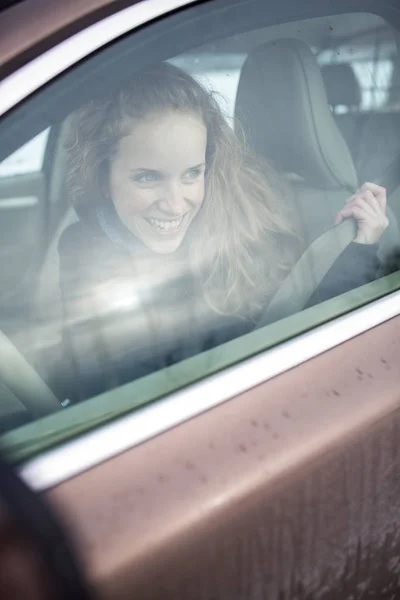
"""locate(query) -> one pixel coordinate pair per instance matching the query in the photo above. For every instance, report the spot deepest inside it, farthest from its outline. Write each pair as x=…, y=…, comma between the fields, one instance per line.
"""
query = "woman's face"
x=157, y=178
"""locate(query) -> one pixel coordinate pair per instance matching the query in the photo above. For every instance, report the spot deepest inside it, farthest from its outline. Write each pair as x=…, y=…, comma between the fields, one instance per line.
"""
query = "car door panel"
x=289, y=490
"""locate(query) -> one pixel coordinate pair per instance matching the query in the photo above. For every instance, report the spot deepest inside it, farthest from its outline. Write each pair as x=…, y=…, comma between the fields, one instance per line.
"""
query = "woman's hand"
x=368, y=207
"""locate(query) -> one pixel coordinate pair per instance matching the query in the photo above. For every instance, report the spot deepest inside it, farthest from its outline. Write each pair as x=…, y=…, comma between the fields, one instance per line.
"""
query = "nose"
x=173, y=201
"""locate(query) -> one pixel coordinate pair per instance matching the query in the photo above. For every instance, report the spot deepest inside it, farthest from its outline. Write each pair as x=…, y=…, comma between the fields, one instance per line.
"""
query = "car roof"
x=41, y=24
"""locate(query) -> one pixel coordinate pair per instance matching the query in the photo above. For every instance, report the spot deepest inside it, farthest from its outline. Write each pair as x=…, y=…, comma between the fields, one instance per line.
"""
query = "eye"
x=192, y=174
x=146, y=177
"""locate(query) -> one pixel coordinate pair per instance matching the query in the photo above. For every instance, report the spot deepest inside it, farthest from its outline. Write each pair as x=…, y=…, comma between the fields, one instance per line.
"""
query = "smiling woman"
x=176, y=211
x=163, y=186
x=158, y=201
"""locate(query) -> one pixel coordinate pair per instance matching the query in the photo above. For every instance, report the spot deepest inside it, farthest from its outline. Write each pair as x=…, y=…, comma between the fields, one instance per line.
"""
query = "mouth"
x=165, y=226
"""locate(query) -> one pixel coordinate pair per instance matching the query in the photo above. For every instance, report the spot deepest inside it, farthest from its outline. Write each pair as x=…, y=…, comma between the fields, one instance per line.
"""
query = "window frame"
x=95, y=446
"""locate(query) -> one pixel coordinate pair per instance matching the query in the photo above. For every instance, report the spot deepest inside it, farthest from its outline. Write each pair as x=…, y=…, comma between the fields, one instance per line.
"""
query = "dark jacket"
x=114, y=333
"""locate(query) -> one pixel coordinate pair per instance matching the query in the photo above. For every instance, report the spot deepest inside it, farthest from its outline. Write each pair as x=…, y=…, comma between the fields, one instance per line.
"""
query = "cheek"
x=130, y=200
x=196, y=194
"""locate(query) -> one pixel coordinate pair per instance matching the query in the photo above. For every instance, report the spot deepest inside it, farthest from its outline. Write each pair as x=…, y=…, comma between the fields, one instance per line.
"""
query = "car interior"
x=320, y=126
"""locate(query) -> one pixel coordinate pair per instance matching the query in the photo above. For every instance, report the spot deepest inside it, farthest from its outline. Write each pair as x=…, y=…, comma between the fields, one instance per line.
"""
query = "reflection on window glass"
x=219, y=74
x=28, y=159
x=373, y=68
x=198, y=215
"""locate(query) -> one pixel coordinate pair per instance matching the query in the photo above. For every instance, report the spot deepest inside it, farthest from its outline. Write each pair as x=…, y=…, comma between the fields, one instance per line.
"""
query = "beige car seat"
x=48, y=301
x=282, y=104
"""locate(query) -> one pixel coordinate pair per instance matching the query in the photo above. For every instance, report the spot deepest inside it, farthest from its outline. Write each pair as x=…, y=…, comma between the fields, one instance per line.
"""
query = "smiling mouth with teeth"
x=165, y=226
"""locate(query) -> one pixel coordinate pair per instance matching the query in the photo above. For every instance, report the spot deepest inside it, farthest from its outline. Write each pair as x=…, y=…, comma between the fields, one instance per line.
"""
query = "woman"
x=183, y=236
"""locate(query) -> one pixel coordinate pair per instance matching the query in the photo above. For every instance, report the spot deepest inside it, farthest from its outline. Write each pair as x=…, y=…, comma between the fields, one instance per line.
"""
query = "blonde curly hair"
x=242, y=244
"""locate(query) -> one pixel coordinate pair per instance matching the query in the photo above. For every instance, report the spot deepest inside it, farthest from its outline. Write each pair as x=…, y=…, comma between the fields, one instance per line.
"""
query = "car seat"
x=343, y=91
x=282, y=104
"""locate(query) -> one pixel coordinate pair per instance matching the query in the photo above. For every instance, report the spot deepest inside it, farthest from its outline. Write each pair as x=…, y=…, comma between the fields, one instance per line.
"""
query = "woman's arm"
x=358, y=264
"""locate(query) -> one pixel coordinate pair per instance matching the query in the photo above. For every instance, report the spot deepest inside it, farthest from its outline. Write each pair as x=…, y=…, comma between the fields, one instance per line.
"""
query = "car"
x=263, y=467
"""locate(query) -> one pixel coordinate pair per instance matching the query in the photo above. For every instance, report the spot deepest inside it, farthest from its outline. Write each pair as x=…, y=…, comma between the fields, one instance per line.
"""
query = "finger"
x=361, y=204
x=338, y=219
x=378, y=190
x=373, y=187
x=364, y=206
x=351, y=199
x=345, y=213
x=359, y=213
x=373, y=203
x=364, y=214
x=367, y=210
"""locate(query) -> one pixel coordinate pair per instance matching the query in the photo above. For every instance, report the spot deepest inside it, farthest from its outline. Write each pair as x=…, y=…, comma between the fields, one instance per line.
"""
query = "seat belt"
x=21, y=378
x=308, y=272
x=390, y=178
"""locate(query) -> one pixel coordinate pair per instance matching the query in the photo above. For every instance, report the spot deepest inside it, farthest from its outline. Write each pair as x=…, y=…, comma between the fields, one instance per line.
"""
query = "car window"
x=27, y=159
x=199, y=206
x=217, y=72
x=373, y=61
x=24, y=214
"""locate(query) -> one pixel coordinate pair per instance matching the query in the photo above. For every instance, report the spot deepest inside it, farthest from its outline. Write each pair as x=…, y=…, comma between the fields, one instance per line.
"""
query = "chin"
x=165, y=247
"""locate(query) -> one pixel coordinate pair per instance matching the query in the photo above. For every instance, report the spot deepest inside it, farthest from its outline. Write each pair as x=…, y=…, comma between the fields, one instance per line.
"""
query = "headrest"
x=282, y=104
x=341, y=85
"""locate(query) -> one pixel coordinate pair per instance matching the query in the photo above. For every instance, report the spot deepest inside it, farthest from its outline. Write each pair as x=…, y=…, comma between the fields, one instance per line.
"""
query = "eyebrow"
x=203, y=164
x=149, y=170
x=144, y=169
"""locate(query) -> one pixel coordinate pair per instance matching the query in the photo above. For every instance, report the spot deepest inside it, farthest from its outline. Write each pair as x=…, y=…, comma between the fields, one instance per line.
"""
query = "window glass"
x=372, y=61
x=198, y=204
x=28, y=159
x=23, y=217
x=218, y=73
x=365, y=96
